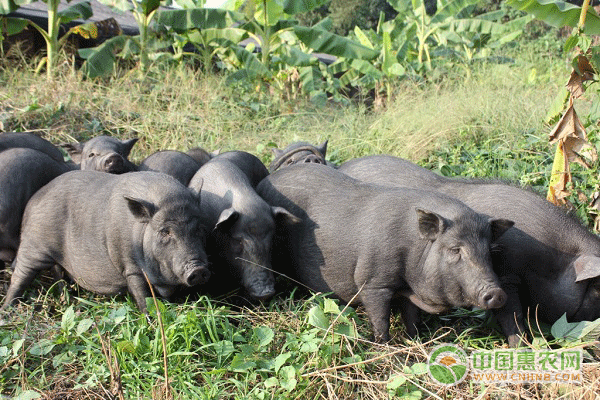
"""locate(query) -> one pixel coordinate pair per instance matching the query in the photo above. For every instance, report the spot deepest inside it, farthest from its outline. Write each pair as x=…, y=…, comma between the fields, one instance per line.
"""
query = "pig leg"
x=510, y=317
x=377, y=304
x=410, y=316
x=24, y=273
x=138, y=287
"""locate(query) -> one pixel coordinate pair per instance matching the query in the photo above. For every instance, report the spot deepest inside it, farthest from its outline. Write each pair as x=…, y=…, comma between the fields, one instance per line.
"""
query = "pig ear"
x=277, y=152
x=74, y=150
x=281, y=214
x=196, y=187
x=128, y=145
x=431, y=225
x=227, y=219
x=141, y=209
x=586, y=267
x=323, y=148
x=499, y=227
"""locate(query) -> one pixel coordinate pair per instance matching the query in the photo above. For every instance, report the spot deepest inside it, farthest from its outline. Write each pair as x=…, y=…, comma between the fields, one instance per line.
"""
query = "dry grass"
x=183, y=108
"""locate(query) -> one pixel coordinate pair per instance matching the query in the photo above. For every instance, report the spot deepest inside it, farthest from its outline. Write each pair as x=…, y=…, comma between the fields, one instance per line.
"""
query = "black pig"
x=244, y=224
x=107, y=230
x=299, y=152
x=102, y=153
x=171, y=162
x=368, y=244
x=23, y=172
x=547, y=262
x=11, y=140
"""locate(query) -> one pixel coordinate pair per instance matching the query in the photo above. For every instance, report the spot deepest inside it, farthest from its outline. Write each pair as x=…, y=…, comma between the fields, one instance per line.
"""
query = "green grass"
x=487, y=122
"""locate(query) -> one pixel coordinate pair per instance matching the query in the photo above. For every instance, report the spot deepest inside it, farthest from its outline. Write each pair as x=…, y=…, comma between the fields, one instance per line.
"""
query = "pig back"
x=23, y=171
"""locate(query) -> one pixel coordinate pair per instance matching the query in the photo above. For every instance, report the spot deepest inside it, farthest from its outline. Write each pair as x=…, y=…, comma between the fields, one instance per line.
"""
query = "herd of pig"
x=374, y=231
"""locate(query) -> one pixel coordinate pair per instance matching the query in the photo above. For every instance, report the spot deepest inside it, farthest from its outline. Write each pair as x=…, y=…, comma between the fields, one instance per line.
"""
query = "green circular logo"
x=448, y=364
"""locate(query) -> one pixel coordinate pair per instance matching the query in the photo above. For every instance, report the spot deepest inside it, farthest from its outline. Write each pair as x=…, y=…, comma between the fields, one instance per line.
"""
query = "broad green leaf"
x=8, y=6
x=198, y=18
x=396, y=70
x=301, y=6
x=584, y=330
x=17, y=347
x=126, y=346
x=148, y=6
x=317, y=318
x=224, y=348
x=249, y=61
x=419, y=368
x=28, y=395
x=558, y=13
x=68, y=320
x=41, y=348
x=233, y=35
x=558, y=106
x=388, y=57
x=271, y=382
x=14, y=25
x=325, y=24
x=4, y=352
x=280, y=360
x=570, y=43
x=240, y=364
x=295, y=57
x=263, y=336
x=311, y=78
x=493, y=15
x=270, y=15
x=81, y=10
x=402, y=6
x=366, y=68
x=84, y=325
x=395, y=382
x=362, y=38
x=330, y=306
x=99, y=61
x=287, y=378
x=329, y=43
x=451, y=9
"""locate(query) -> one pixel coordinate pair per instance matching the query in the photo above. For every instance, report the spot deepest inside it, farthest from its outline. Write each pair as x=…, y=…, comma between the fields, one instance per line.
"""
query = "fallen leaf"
x=570, y=131
x=583, y=72
x=561, y=176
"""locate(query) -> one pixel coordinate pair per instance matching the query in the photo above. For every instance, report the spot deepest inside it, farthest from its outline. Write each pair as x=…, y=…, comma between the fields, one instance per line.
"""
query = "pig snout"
x=492, y=298
x=113, y=162
x=196, y=274
x=313, y=159
x=260, y=285
x=264, y=293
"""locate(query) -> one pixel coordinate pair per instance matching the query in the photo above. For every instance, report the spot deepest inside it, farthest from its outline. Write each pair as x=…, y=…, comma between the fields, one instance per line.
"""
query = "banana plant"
x=55, y=19
x=278, y=45
x=559, y=13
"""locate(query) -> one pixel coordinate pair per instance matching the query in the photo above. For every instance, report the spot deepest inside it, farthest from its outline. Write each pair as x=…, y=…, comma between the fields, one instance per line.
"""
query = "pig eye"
x=165, y=232
x=455, y=250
